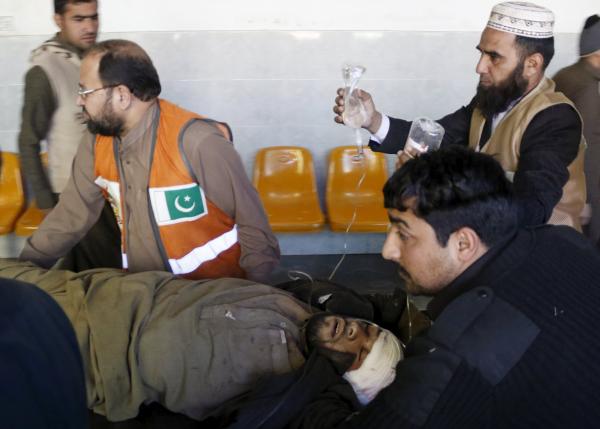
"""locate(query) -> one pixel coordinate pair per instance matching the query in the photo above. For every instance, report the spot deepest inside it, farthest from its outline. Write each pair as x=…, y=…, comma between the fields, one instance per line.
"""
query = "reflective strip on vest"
x=124, y=258
x=113, y=189
x=205, y=253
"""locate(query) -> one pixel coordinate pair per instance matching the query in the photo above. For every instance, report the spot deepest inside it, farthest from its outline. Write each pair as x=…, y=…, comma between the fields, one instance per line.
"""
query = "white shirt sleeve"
x=382, y=132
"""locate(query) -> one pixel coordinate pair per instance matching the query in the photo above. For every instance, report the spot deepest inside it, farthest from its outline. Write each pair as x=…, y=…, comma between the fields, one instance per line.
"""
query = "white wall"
x=270, y=67
x=30, y=17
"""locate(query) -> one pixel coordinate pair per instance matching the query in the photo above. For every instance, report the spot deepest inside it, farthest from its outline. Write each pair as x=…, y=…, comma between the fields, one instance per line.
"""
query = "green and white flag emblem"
x=176, y=204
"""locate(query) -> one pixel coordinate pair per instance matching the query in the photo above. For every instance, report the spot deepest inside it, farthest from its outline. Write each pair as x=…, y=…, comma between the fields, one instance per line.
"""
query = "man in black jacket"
x=514, y=336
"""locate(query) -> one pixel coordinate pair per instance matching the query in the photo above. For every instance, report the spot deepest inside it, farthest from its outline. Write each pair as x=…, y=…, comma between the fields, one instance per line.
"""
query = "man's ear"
x=534, y=64
x=124, y=97
x=58, y=20
x=467, y=244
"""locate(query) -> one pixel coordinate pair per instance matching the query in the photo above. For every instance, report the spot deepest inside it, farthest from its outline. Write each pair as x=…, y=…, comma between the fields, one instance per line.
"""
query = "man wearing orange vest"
x=177, y=186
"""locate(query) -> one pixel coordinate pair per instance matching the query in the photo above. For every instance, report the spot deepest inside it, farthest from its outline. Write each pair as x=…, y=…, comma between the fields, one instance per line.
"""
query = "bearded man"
x=505, y=302
x=176, y=185
x=516, y=115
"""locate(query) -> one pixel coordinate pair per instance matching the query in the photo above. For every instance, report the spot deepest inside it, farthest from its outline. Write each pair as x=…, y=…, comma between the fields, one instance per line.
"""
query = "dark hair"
x=452, y=188
x=341, y=361
x=592, y=20
x=61, y=5
x=126, y=63
x=530, y=45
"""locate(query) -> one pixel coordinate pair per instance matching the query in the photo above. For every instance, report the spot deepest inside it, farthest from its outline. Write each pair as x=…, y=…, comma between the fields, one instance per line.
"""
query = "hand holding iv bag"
x=425, y=135
x=355, y=114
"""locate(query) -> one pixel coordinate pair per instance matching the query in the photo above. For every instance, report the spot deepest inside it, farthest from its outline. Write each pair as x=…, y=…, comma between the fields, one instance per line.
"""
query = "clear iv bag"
x=425, y=135
x=355, y=114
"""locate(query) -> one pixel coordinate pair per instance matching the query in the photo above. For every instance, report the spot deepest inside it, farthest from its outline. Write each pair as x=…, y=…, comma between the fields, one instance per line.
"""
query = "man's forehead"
x=409, y=203
x=81, y=8
x=90, y=65
x=494, y=40
x=399, y=217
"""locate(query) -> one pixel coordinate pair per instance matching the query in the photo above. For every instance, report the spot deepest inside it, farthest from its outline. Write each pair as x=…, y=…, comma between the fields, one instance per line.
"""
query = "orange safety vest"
x=196, y=238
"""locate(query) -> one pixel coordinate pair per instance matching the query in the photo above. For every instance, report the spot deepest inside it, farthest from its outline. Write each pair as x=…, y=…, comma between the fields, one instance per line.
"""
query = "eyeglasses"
x=83, y=93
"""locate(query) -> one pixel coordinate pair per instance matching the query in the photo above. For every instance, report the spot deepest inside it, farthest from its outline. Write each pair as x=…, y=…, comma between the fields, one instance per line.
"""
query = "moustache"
x=403, y=273
x=409, y=284
x=82, y=117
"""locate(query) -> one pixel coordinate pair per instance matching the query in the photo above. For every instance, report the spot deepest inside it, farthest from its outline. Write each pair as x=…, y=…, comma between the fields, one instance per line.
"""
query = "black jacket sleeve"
x=286, y=400
x=456, y=131
x=550, y=143
x=330, y=409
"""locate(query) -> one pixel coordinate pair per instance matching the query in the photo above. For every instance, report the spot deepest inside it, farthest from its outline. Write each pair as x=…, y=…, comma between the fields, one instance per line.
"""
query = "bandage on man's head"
x=364, y=353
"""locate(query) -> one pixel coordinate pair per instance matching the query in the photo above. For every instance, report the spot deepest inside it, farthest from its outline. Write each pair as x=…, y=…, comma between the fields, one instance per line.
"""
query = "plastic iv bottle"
x=354, y=114
x=424, y=135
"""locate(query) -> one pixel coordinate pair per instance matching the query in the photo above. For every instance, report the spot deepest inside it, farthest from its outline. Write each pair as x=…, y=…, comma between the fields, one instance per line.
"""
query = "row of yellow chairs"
x=284, y=177
x=14, y=216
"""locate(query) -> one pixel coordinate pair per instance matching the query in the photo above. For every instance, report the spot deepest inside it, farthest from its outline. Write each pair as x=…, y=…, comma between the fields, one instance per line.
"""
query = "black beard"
x=108, y=125
x=496, y=99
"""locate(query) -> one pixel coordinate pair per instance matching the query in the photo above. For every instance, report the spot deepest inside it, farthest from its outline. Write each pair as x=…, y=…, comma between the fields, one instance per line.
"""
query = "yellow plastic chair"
x=284, y=177
x=345, y=194
x=29, y=221
x=12, y=198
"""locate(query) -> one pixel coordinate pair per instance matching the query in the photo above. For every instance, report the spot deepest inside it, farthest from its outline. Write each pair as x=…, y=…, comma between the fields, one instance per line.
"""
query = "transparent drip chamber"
x=425, y=135
x=355, y=114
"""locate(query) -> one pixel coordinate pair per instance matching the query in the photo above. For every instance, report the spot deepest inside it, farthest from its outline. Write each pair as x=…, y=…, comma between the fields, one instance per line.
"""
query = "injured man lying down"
x=349, y=362
x=152, y=337
x=209, y=348
x=366, y=354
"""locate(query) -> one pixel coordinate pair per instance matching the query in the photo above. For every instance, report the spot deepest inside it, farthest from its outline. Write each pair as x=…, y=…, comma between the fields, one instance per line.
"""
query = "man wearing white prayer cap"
x=522, y=19
x=516, y=114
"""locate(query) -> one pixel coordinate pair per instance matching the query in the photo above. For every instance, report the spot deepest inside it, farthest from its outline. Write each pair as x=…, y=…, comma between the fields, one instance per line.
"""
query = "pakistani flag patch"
x=176, y=204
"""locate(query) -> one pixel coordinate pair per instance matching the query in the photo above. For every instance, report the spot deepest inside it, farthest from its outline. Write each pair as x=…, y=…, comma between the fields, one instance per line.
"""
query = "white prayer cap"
x=523, y=19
